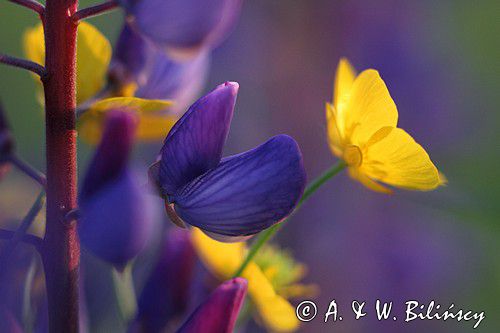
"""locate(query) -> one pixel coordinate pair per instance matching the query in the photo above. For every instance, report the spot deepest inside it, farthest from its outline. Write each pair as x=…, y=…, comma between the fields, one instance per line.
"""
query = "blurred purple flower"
x=184, y=27
x=166, y=294
x=155, y=75
x=219, y=312
x=231, y=198
x=115, y=222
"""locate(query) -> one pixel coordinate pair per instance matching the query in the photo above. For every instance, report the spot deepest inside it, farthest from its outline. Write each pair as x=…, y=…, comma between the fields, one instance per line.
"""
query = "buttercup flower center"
x=353, y=156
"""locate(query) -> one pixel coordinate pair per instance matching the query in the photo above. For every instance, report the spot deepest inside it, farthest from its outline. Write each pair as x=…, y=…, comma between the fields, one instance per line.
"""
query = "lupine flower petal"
x=153, y=74
x=166, y=293
x=111, y=157
x=184, y=26
x=393, y=157
x=219, y=312
x=194, y=145
x=246, y=193
x=116, y=223
x=152, y=123
x=93, y=57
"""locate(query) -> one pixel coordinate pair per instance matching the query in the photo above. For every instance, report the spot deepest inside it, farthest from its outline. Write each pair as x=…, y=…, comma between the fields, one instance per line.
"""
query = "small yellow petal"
x=392, y=156
x=369, y=108
x=276, y=313
x=334, y=138
x=344, y=79
x=221, y=259
x=93, y=57
x=153, y=125
x=369, y=183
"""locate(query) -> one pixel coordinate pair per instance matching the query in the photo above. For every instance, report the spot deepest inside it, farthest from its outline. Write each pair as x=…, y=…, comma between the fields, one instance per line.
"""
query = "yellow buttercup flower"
x=93, y=59
x=362, y=131
x=268, y=281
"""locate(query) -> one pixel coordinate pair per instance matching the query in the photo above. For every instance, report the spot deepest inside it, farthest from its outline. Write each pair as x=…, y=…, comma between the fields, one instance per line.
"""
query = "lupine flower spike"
x=362, y=130
x=219, y=312
x=232, y=198
x=116, y=221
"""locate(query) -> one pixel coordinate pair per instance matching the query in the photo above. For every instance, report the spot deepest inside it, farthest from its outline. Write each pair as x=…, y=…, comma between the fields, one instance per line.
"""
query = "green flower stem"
x=265, y=236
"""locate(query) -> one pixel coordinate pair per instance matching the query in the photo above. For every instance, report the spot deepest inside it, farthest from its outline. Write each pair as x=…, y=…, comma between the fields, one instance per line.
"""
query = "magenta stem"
x=95, y=10
x=31, y=4
x=23, y=63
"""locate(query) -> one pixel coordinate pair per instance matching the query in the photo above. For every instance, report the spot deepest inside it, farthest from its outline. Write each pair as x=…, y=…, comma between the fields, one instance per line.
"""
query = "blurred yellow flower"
x=93, y=58
x=268, y=285
x=362, y=130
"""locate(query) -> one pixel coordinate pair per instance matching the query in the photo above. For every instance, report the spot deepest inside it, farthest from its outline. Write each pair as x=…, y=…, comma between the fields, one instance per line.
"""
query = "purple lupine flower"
x=115, y=222
x=6, y=143
x=219, y=312
x=231, y=198
x=166, y=294
x=184, y=27
x=156, y=75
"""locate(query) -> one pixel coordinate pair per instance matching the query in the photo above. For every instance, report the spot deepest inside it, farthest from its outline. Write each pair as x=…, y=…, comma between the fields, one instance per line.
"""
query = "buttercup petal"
x=392, y=156
x=246, y=193
x=219, y=312
x=334, y=139
x=152, y=122
x=369, y=107
x=195, y=143
x=344, y=78
x=93, y=57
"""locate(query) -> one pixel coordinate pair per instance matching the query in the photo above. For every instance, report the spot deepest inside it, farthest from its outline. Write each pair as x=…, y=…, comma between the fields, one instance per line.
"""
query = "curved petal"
x=93, y=57
x=184, y=27
x=368, y=109
x=334, y=139
x=392, y=156
x=195, y=143
x=246, y=193
x=344, y=78
x=116, y=221
x=220, y=311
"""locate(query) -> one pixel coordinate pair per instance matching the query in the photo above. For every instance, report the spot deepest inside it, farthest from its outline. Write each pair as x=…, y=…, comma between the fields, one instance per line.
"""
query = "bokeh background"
x=440, y=60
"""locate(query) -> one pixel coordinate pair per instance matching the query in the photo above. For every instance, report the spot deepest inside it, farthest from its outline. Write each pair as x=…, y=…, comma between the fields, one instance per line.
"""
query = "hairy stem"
x=61, y=248
x=266, y=235
x=95, y=10
x=23, y=63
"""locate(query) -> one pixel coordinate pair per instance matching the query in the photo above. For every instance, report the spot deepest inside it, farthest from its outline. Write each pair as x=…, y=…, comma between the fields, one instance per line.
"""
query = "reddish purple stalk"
x=61, y=248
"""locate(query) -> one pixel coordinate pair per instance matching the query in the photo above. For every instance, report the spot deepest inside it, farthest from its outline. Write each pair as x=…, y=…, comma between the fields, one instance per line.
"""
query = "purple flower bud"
x=220, y=311
x=156, y=75
x=166, y=294
x=231, y=198
x=116, y=220
x=112, y=154
x=184, y=27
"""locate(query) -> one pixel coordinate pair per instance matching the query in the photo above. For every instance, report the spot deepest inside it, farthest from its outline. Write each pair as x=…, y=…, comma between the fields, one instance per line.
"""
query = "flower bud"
x=220, y=311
